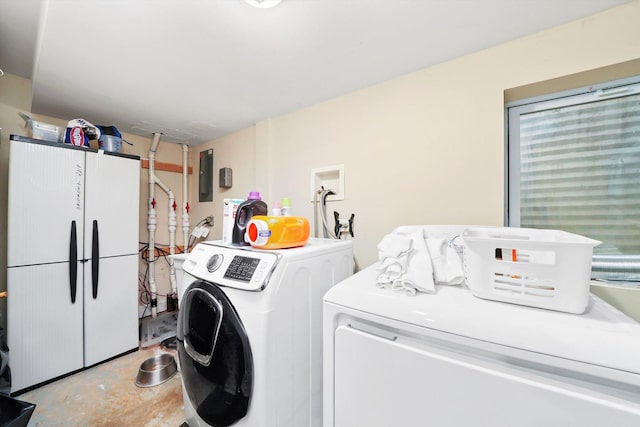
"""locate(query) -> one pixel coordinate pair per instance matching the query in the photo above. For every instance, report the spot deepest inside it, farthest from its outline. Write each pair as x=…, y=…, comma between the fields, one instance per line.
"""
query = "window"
x=574, y=165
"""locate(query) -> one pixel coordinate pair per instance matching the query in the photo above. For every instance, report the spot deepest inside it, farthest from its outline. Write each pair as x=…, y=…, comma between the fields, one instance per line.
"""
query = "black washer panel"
x=241, y=268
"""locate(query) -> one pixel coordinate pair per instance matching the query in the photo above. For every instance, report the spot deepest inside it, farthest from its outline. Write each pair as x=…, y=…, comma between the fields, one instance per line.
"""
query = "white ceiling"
x=200, y=69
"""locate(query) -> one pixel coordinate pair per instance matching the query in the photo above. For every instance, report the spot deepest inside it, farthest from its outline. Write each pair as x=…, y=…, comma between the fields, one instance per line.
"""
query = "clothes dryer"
x=451, y=359
x=250, y=332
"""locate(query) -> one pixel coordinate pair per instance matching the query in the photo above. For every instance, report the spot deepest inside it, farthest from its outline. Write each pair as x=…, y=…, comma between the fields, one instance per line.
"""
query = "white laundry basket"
x=539, y=268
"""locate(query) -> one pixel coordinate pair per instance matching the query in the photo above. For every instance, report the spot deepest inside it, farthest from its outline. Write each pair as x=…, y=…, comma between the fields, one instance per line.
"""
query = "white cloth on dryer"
x=404, y=264
x=392, y=269
x=447, y=266
x=393, y=246
x=415, y=262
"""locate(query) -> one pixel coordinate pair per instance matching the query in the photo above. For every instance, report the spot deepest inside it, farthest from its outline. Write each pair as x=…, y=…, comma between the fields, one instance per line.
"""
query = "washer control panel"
x=234, y=267
x=242, y=268
x=214, y=262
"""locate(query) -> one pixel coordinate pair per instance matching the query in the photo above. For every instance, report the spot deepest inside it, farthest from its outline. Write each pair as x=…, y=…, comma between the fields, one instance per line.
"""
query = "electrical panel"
x=205, y=184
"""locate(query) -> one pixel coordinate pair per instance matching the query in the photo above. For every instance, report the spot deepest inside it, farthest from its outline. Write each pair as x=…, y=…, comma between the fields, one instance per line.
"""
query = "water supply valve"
x=343, y=225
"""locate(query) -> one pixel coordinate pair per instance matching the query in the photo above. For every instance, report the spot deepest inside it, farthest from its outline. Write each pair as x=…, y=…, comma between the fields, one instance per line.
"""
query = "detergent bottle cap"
x=254, y=195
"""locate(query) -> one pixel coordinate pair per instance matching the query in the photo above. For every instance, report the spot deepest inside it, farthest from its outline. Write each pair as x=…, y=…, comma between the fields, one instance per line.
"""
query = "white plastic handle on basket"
x=458, y=248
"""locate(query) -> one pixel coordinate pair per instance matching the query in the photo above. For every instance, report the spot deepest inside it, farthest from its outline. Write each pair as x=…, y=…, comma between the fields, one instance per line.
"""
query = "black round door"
x=215, y=355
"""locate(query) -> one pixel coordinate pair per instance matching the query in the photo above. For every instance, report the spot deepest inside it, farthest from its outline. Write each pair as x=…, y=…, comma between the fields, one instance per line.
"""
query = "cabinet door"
x=111, y=319
x=46, y=195
x=44, y=327
x=112, y=205
x=381, y=382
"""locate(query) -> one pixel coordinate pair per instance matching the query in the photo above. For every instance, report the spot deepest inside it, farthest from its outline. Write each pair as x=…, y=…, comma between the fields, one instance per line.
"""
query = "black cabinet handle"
x=73, y=262
x=95, y=259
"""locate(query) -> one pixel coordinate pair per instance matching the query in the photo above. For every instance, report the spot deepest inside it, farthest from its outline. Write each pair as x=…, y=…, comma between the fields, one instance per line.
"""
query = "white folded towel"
x=447, y=266
x=392, y=270
x=405, y=264
x=404, y=286
x=419, y=272
x=415, y=262
x=393, y=246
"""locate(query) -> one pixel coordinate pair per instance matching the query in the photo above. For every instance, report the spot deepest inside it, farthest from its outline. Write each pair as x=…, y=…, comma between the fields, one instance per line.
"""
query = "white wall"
x=237, y=152
x=426, y=148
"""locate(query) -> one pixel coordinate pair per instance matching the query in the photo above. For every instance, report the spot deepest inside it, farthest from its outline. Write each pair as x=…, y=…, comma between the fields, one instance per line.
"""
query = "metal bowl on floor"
x=156, y=370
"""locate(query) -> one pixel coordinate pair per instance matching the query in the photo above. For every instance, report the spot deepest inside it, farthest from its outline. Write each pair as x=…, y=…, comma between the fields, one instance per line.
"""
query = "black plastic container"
x=14, y=412
x=249, y=208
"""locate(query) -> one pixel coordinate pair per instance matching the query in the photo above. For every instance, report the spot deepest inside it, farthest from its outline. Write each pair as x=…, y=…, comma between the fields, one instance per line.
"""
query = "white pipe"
x=185, y=197
x=152, y=222
x=172, y=231
x=162, y=185
x=172, y=241
x=151, y=225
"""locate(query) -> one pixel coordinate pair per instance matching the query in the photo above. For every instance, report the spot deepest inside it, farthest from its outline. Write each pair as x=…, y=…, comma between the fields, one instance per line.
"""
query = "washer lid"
x=601, y=336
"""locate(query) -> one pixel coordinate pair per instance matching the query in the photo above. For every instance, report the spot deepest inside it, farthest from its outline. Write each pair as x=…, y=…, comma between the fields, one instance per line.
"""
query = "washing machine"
x=250, y=332
x=451, y=359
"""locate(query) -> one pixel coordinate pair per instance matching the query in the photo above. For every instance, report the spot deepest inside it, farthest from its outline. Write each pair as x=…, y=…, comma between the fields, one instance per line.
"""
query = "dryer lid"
x=601, y=336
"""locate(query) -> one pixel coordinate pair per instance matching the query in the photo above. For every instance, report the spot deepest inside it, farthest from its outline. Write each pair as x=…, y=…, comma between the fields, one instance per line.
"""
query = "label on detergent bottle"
x=264, y=233
x=258, y=232
x=75, y=136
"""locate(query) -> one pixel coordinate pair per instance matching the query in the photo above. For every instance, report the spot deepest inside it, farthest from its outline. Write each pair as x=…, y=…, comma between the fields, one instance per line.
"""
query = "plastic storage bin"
x=41, y=130
x=44, y=131
x=539, y=268
x=110, y=143
x=14, y=412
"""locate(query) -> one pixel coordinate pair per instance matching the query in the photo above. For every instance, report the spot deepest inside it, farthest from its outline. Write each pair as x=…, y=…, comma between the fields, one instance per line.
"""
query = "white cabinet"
x=72, y=275
x=44, y=328
x=111, y=319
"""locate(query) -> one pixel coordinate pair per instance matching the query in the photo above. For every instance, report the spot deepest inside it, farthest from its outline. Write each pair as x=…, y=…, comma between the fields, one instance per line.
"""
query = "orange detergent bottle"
x=277, y=232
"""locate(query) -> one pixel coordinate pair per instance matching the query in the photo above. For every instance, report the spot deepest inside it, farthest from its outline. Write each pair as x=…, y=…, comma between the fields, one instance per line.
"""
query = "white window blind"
x=574, y=165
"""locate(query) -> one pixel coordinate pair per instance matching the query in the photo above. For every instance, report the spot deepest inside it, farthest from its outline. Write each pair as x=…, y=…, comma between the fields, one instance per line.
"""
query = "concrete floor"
x=106, y=395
